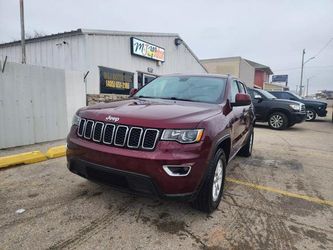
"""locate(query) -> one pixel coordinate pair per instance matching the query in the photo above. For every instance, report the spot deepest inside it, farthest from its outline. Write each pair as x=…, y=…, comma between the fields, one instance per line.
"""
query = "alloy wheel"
x=309, y=115
x=217, y=182
x=251, y=142
x=276, y=121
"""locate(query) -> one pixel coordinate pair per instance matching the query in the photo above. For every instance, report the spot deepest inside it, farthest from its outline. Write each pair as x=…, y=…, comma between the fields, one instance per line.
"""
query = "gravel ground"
x=63, y=210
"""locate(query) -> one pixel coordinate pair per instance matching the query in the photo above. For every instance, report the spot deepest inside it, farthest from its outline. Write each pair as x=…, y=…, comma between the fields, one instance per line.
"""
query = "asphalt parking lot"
x=280, y=198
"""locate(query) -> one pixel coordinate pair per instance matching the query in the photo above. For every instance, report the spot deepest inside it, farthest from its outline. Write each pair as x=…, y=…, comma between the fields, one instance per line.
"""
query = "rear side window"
x=278, y=95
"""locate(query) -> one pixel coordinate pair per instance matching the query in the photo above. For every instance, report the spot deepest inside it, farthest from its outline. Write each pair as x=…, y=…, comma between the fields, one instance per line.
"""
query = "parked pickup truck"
x=313, y=107
x=173, y=138
x=280, y=114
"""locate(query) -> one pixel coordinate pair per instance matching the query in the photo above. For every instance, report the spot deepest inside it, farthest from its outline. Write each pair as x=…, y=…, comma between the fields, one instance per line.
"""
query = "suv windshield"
x=185, y=88
x=266, y=94
x=297, y=96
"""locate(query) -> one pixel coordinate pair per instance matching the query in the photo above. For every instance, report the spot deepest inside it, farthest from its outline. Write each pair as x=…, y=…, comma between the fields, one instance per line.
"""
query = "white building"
x=116, y=60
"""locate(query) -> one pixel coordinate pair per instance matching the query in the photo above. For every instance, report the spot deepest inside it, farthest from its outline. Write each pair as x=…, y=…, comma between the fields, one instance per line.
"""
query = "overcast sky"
x=268, y=31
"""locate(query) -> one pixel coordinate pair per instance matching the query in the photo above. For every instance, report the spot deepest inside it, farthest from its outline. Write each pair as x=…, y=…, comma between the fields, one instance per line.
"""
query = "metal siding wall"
x=36, y=103
x=114, y=52
x=87, y=52
x=75, y=94
x=47, y=53
x=16, y=114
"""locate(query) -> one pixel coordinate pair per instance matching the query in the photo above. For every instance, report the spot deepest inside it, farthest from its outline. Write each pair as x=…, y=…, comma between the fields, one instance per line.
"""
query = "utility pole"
x=22, y=32
x=301, y=82
x=303, y=63
x=307, y=85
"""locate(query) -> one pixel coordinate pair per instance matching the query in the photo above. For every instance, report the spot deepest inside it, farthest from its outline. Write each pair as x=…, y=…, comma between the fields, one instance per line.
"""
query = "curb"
x=23, y=158
x=56, y=152
x=32, y=157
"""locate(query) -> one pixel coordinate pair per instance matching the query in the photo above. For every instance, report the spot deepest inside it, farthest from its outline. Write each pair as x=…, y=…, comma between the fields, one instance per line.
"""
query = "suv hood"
x=284, y=101
x=154, y=113
x=313, y=102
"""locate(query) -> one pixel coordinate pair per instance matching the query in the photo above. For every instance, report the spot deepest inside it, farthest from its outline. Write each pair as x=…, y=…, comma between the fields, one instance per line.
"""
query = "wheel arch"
x=225, y=144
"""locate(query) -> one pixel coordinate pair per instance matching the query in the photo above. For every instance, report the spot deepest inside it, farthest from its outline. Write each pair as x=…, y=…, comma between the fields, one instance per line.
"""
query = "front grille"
x=118, y=135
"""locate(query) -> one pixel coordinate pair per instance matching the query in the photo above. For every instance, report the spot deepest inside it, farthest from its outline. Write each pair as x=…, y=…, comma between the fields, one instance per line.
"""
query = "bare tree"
x=34, y=34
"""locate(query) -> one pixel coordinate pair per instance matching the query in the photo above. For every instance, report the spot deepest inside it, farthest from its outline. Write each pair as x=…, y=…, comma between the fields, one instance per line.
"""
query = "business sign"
x=280, y=78
x=148, y=50
x=113, y=81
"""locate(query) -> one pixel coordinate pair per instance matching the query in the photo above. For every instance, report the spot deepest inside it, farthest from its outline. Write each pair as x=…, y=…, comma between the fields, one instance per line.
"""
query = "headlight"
x=183, y=135
x=76, y=120
x=295, y=107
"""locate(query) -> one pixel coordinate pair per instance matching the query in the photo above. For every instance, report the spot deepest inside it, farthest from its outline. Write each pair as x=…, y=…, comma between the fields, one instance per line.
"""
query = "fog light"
x=177, y=170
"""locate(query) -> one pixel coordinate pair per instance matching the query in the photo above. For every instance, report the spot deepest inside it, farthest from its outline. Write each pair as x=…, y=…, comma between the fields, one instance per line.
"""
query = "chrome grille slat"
x=133, y=141
x=147, y=142
x=118, y=135
x=88, y=129
x=108, y=130
x=120, y=139
x=96, y=133
x=81, y=127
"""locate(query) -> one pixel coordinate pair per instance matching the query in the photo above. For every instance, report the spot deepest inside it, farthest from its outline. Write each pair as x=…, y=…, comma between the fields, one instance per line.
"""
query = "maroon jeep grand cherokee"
x=173, y=138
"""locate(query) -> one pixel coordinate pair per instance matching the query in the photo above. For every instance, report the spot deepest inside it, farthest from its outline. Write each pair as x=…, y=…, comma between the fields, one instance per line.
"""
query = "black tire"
x=204, y=200
x=278, y=121
x=310, y=115
x=291, y=124
x=246, y=150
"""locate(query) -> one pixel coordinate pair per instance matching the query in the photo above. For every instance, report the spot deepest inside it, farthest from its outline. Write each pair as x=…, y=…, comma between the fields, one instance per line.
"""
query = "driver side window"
x=234, y=90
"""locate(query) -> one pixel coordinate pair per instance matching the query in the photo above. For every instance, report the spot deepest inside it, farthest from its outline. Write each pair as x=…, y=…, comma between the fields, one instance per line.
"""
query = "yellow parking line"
x=278, y=191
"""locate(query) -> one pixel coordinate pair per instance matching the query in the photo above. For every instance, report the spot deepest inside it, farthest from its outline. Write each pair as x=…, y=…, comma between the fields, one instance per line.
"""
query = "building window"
x=144, y=79
x=113, y=81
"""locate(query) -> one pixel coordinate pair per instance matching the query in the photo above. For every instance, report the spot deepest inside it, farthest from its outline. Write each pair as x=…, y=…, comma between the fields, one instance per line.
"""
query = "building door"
x=144, y=79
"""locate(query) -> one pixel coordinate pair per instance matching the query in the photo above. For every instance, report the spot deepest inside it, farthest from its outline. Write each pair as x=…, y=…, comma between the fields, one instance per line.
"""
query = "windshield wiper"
x=178, y=99
x=143, y=96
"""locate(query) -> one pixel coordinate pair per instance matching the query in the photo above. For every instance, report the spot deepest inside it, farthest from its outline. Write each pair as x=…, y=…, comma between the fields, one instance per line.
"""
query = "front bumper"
x=297, y=117
x=321, y=112
x=139, y=171
x=122, y=180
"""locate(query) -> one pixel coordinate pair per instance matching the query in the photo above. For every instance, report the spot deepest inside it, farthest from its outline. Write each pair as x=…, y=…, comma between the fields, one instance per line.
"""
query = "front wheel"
x=210, y=194
x=278, y=121
x=310, y=114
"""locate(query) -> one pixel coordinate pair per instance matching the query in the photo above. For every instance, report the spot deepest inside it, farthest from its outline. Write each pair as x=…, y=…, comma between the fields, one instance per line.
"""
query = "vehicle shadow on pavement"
x=293, y=128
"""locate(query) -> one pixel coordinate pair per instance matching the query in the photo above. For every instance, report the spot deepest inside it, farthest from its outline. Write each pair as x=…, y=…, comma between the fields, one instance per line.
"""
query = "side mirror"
x=242, y=100
x=133, y=92
x=258, y=98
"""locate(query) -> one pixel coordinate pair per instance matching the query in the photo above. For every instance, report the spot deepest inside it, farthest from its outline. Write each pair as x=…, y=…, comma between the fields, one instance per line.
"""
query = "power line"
x=311, y=67
x=319, y=52
x=325, y=46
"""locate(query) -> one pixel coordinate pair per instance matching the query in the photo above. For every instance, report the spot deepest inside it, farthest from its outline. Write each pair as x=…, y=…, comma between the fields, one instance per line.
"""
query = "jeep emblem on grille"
x=112, y=118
